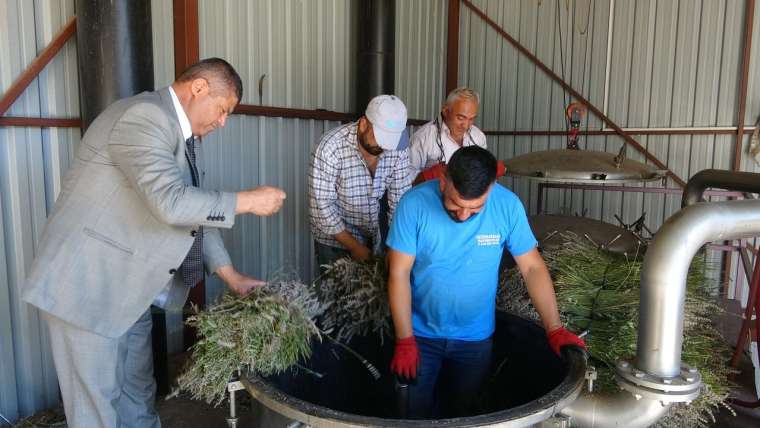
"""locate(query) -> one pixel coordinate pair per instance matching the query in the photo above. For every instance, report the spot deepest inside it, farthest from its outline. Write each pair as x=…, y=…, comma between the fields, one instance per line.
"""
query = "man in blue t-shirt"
x=445, y=245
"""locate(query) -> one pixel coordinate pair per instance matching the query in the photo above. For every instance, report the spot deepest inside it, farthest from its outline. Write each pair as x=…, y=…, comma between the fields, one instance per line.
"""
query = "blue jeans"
x=450, y=378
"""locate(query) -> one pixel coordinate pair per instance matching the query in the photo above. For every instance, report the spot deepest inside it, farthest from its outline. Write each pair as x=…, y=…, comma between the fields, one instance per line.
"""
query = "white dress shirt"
x=187, y=132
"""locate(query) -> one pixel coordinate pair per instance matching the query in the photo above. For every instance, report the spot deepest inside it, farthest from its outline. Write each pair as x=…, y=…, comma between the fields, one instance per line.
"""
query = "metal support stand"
x=233, y=386
x=591, y=377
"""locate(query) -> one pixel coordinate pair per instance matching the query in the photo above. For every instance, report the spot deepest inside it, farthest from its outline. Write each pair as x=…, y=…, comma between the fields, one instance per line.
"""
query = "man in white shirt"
x=435, y=142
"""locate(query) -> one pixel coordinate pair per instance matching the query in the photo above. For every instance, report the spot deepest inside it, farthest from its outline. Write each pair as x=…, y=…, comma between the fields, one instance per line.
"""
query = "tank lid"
x=580, y=166
x=549, y=230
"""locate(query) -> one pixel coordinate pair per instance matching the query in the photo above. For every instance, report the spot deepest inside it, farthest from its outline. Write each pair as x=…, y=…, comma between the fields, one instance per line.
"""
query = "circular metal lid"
x=580, y=166
x=549, y=230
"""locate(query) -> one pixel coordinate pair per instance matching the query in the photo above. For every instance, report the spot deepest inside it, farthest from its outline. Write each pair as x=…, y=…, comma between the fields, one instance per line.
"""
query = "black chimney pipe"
x=720, y=179
x=376, y=49
x=115, y=50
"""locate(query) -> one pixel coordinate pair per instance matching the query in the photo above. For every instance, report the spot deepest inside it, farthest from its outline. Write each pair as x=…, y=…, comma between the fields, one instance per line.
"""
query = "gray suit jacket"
x=125, y=220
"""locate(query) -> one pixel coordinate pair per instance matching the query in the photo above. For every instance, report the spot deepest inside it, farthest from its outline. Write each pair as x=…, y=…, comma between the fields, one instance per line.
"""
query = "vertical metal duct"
x=376, y=37
x=115, y=50
x=663, y=275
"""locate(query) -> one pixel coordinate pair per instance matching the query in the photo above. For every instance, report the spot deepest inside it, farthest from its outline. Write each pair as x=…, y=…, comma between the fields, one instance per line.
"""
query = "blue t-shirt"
x=456, y=266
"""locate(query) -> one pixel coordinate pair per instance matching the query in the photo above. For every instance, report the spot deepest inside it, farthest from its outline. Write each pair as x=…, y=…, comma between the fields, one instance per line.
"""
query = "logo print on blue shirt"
x=488, y=240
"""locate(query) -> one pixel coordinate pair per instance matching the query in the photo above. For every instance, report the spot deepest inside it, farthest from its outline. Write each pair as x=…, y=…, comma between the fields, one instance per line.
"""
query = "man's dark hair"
x=215, y=71
x=471, y=169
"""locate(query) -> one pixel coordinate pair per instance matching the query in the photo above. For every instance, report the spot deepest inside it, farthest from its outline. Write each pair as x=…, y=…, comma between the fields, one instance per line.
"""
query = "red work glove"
x=501, y=169
x=560, y=337
x=406, y=358
x=434, y=172
x=439, y=170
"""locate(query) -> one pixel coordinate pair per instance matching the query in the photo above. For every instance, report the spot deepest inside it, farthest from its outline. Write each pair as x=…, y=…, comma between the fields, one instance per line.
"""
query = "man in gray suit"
x=132, y=227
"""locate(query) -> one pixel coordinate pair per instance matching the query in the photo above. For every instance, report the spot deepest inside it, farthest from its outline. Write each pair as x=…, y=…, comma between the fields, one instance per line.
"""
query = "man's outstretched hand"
x=239, y=283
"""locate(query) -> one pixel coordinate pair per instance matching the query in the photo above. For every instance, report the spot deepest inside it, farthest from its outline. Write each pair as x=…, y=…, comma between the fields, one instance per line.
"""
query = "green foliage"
x=598, y=292
x=266, y=332
x=356, y=299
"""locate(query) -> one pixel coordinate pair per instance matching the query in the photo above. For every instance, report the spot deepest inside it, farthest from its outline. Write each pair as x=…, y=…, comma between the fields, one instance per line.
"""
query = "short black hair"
x=215, y=70
x=472, y=170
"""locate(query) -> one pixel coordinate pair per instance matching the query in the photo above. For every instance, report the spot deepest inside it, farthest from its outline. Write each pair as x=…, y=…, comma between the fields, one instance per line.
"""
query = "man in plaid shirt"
x=351, y=168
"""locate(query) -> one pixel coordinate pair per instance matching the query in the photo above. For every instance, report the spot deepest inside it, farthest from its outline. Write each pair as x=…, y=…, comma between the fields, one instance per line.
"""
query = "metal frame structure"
x=575, y=94
x=727, y=248
x=28, y=76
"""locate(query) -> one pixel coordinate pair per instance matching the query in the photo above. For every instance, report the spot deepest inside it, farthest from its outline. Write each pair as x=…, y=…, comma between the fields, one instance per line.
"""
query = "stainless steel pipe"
x=620, y=409
x=663, y=276
x=663, y=292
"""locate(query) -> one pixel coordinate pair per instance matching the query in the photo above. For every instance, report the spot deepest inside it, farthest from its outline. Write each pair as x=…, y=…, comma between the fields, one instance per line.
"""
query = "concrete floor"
x=186, y=413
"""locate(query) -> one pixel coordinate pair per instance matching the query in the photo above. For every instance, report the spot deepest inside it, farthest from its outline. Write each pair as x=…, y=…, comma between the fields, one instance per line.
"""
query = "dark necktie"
x=191, y=269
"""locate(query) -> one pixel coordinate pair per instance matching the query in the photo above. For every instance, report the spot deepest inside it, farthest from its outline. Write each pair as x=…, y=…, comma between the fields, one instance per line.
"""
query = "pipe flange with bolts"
x=675, y=389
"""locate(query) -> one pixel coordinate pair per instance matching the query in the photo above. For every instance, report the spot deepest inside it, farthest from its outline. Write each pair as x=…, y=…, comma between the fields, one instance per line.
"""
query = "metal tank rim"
x=526, y=414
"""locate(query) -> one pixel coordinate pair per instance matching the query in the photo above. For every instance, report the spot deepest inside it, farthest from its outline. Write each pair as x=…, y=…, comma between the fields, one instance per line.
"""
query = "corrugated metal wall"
x=421, y=55
x=309, y=68
x=32, y=161
x=304, y=49
x=672, y=64
x=304, y=52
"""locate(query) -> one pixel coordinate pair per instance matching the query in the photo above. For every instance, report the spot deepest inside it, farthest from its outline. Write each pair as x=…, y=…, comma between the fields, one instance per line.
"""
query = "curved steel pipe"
x=620, y=409
x=663, y=276
x=663, y=292
x=717, y=178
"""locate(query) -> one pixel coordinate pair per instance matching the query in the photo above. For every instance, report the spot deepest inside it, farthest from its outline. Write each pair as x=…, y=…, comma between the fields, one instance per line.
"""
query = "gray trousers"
x=105, y=382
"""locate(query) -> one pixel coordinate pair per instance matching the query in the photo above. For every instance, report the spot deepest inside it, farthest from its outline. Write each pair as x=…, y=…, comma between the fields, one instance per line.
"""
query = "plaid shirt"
x=343, y=195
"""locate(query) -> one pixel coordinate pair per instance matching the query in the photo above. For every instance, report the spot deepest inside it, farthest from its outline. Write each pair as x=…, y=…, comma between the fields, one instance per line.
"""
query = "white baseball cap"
x=387, y=113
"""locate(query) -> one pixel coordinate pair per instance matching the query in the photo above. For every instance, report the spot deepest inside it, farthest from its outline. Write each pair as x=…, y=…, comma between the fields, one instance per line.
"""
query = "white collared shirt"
x=187, y=132
x=184, y=122
x=432, y=143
